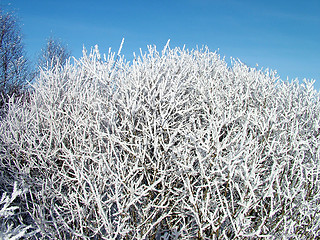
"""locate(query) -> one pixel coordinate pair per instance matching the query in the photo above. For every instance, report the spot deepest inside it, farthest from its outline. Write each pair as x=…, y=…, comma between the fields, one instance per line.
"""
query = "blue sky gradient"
x=278, y=34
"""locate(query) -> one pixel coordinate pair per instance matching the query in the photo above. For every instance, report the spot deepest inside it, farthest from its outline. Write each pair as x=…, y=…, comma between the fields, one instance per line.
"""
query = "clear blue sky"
x=279, y=34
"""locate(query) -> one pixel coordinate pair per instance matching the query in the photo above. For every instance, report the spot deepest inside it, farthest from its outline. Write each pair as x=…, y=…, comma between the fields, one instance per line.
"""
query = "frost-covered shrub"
x=11, y=225
x=176, y=145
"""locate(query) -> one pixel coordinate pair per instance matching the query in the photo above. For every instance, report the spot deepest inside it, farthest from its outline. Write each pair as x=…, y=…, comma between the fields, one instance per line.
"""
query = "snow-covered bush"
x=176, y=145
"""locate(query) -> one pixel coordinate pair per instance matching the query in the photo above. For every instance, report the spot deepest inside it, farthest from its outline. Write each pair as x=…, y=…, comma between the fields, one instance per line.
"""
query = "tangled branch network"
x=175, y=145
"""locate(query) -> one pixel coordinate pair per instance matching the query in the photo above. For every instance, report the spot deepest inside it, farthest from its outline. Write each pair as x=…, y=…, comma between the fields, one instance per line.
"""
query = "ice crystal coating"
x=175, y=145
